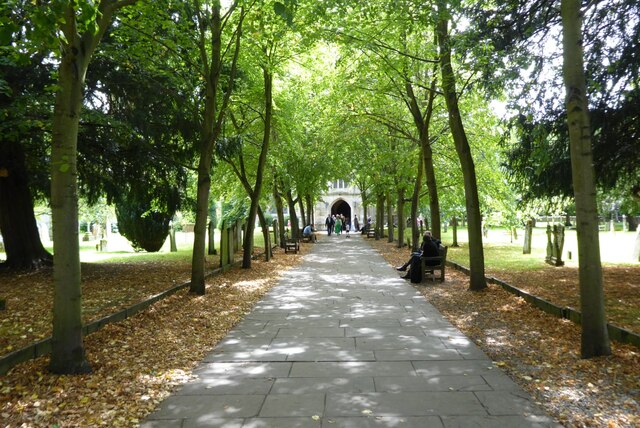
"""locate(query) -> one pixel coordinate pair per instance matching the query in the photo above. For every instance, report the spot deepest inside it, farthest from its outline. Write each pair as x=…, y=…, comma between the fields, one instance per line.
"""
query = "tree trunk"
x=265, y=235
x=380, y=215
x=310, y=213
x=595, y=339
x=390, y=217
x=202, y=196
x=454, y=225
x=210, y=129
x=303, y=214
x=422, y=123
x=18, y=226
x=293, y=217
x=400, y=216
x=207, y=141
x=262, y=162
x=67, y=347
x=476, y=251
x=415, y=201
x=277, y=197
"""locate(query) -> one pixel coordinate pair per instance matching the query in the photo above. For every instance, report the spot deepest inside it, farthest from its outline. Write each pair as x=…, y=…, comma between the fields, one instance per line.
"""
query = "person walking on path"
x=338, y=226
x=329, y=224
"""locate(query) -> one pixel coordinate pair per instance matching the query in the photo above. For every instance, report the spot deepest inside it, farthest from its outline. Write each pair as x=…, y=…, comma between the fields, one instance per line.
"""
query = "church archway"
x=342, y=207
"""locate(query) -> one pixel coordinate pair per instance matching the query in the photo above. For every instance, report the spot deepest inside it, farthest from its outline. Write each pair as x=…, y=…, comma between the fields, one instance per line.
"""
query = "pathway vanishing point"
x=343, y=342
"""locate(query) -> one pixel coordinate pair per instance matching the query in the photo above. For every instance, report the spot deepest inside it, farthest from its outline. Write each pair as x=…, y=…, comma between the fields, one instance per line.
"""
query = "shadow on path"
x=342, y=341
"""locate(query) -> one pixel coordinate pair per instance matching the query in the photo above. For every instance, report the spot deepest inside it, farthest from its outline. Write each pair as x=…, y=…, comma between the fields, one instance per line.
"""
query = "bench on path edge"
x=291, y=245
x=429, y=271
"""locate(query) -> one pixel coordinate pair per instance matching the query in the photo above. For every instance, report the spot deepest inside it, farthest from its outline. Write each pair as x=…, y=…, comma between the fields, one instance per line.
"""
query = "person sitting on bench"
x=307, y=232
x=429, y=248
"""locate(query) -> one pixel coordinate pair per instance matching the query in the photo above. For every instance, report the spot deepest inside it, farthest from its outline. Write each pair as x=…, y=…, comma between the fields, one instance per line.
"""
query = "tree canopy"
x=165, y=105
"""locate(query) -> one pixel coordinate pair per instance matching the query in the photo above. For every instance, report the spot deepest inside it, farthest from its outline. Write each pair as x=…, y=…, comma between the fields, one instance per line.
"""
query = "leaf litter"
x=539, y=351
x=138, y=362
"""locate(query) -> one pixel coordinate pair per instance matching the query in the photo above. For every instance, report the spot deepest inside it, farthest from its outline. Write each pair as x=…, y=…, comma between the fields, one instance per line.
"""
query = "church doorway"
x=341, y=207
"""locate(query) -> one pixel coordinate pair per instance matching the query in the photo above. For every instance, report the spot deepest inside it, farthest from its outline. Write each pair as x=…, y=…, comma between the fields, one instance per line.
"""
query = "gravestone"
x=226, y=246
x=636, y=249
x=172, y=240
x=211, y=247
x=625, y=225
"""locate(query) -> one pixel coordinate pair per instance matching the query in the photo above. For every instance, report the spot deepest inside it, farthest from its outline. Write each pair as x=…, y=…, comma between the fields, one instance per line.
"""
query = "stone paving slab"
x=306, y=385
x=404, y=403
x=343, y=342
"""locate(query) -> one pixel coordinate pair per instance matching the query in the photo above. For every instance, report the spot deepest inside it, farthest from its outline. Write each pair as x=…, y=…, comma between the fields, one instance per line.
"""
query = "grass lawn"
x=500, y=253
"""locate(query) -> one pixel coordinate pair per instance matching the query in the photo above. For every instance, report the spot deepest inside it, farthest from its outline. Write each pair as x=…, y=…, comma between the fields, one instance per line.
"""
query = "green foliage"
x=142, y=222
x=538, y=161
x=233, y=210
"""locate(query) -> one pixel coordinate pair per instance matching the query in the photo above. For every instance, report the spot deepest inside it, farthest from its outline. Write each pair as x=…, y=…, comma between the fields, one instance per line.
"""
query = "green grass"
x=500, y=253
x=120, y=251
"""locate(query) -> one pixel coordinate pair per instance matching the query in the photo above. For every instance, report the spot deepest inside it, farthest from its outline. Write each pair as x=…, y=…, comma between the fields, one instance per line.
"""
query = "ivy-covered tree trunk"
x=476, y=252
x=595, y=339
x=18, y=226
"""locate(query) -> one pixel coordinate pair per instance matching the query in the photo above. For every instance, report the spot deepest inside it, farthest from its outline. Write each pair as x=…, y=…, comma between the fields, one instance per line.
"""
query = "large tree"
x=80, y=26
x=24, y=130
x=476, y=251
x=211, y=27
x=538, y=162
x=595, y=339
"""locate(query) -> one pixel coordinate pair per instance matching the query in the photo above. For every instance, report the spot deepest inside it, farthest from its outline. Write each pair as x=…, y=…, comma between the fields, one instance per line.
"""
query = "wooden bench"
x=371, y=233
x=429, y=271
x=310, y=238
x=291, y=245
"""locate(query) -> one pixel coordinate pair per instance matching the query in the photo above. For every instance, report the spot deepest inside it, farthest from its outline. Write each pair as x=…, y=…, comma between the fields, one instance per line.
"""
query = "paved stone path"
x=342, y=341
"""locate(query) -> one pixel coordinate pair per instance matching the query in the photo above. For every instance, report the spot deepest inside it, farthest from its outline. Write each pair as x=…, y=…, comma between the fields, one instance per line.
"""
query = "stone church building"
x=341, y=198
